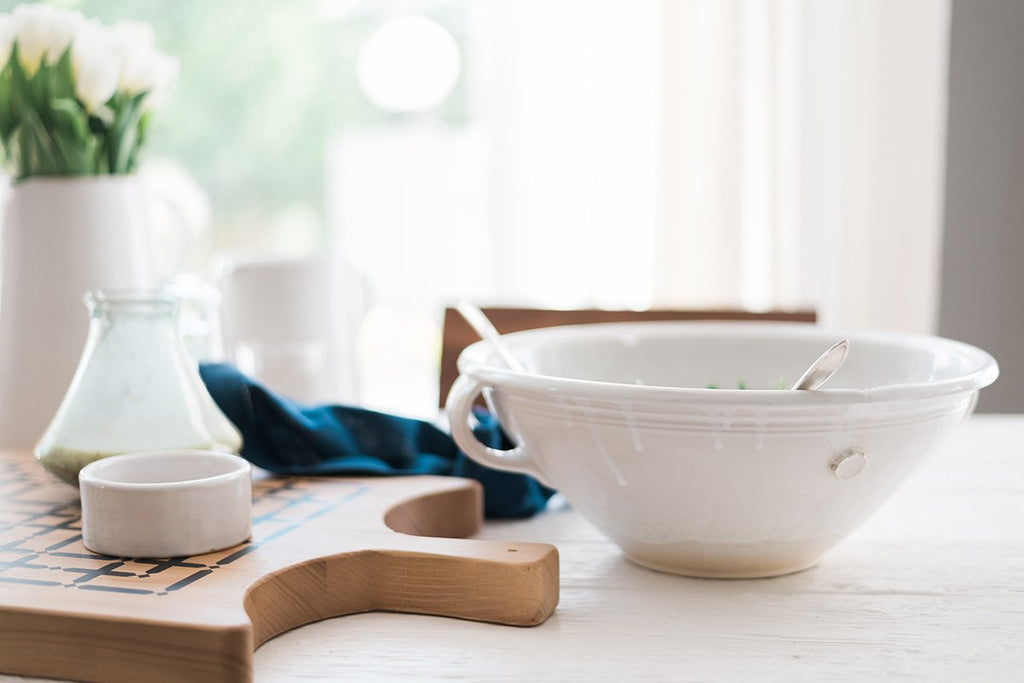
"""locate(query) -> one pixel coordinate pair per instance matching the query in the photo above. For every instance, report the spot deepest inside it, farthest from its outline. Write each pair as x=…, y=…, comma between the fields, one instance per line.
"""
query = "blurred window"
x=565, y=153
x=263, y=85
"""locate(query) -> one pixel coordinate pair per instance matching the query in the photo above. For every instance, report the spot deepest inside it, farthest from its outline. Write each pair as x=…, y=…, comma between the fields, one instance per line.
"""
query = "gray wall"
x=983, y=252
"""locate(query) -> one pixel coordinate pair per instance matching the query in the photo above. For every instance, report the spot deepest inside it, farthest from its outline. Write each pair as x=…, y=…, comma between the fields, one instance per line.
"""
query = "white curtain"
x=639, y=153
x=567, y=92
x=756, y=153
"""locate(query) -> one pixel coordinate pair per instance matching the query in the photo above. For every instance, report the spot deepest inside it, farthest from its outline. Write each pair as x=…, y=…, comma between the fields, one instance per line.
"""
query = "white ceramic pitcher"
x=61, y=238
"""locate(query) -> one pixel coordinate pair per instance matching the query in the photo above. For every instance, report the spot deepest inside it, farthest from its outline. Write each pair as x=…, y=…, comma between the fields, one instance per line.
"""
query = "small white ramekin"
x=166, y=503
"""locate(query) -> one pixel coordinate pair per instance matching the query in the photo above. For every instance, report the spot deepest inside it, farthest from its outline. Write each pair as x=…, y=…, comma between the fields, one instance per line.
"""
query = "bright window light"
x=409, y=65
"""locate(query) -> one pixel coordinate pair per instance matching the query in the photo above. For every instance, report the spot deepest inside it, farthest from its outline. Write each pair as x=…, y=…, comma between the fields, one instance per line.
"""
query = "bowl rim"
x=96, y=475
x=480, y=362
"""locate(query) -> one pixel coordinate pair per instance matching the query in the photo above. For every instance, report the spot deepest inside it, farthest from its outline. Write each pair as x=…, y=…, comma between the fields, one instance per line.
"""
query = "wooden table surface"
x=931, y=588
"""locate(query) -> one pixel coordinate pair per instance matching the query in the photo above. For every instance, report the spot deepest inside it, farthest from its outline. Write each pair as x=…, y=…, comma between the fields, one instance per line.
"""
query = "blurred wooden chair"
x=457, y=334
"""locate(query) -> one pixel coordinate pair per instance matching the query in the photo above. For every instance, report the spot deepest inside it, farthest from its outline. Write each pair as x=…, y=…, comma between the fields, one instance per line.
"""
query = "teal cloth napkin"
x=286, y=437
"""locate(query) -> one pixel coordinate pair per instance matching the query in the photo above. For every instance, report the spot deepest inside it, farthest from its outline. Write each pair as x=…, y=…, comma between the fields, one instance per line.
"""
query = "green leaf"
x=42, y=157
x=30, y=91
x=140, y=139
x=97, y=125
x=79, y=157
x=72, y=137
x=14, y=156
x=6, y=115
x=122, y=134
x=74, y=117
x=21, y=93
x=61, y=77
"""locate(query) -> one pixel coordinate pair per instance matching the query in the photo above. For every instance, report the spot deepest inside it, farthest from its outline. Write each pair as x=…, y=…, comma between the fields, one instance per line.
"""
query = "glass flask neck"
x=145, y=302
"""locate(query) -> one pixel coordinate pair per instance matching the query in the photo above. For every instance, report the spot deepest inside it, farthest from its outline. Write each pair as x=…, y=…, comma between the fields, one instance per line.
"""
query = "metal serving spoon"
x=483, y=326
x=824, y=367
x=816, y=375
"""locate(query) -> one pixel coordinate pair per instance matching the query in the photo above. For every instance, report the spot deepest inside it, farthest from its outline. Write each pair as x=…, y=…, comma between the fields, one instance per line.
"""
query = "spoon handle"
x=824, y=367
x=482, y=325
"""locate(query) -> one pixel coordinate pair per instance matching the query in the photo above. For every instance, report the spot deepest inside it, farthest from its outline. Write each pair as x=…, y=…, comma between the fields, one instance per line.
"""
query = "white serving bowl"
x=709, y=482
x=165, y=503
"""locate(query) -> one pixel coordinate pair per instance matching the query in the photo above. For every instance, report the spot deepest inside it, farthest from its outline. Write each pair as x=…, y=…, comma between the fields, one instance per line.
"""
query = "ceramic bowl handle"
x=459, y=407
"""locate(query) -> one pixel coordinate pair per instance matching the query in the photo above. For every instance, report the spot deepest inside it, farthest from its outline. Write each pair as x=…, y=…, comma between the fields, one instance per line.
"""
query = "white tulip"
x=64, y=27
x=31, y=33
x=163, y=75
x=143, y=69
x=6, y=38
x=133, y=45
x=93, y=66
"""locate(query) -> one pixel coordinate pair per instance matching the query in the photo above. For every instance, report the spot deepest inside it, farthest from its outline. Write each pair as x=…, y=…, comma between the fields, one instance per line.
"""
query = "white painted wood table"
x=931, y=588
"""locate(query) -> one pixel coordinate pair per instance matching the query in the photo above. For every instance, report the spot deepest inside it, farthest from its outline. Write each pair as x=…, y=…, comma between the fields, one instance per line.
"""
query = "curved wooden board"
x=321, y=547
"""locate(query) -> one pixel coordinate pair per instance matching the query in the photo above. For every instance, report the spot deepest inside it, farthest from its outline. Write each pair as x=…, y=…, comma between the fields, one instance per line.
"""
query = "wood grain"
x=930, y=589
x=321, y=548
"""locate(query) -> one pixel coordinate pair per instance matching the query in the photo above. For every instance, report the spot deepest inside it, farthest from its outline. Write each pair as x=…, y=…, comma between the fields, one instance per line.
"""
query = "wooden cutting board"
x=321, y=547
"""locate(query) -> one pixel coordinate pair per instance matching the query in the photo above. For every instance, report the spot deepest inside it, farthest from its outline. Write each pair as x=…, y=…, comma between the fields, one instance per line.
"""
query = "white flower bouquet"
x=76, y=96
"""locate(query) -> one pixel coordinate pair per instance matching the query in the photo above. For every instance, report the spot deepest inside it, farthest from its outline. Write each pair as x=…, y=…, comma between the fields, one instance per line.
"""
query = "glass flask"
x=136, y=389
